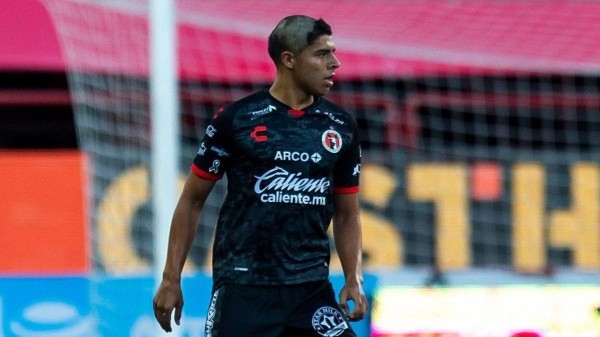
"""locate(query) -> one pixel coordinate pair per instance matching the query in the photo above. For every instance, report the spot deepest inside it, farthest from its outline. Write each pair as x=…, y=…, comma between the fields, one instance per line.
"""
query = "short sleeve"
x=212, y=158
x=347, y=169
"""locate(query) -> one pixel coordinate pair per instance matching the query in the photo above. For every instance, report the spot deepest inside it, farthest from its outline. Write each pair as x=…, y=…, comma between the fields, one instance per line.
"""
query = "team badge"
x=329, y=322
x=332, y=141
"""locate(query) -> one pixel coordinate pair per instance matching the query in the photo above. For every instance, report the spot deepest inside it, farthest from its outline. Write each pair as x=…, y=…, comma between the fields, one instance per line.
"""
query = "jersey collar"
x=294, y=112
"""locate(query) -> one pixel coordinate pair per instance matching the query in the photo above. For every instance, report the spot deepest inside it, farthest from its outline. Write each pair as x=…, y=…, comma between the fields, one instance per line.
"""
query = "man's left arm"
x=348, y=241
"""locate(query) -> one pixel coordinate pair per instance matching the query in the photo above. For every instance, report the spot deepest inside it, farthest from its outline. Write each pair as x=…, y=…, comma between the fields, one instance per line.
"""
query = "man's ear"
x=287, y=59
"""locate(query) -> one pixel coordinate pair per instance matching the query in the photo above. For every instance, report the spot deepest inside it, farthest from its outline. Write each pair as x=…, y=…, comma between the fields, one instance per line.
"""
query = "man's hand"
x=353, y=291
x=168, y=297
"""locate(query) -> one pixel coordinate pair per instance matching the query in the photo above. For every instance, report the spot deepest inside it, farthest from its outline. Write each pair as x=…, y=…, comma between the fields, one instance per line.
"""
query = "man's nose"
x=336, y=62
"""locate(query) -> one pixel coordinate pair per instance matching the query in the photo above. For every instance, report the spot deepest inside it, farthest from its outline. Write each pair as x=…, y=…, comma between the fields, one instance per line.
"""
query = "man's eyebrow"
x=326, y=49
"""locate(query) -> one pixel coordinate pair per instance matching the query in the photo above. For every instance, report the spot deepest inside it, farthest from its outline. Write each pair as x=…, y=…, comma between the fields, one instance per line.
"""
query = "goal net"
x=479, y=122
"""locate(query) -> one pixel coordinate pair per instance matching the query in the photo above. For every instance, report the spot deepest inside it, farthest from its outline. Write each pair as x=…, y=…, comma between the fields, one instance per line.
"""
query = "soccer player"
x=292, y=160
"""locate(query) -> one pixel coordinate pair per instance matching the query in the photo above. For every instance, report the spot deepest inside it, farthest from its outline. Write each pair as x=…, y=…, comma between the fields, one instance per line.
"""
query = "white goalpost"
x=164, y=98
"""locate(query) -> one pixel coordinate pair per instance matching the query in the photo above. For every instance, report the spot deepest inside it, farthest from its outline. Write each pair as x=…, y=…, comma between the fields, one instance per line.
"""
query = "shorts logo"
x=329, y=322
x=332, y=141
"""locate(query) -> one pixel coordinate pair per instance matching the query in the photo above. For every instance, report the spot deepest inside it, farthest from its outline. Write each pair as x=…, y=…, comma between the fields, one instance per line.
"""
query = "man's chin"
x=322, y=92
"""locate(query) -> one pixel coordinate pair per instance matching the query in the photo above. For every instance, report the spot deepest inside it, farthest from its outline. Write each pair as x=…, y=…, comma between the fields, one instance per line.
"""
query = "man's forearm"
x=181, y=237
x=348, y=241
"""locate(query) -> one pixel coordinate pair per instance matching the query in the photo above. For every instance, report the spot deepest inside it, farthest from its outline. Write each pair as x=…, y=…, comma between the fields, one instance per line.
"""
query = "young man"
x=292, y=160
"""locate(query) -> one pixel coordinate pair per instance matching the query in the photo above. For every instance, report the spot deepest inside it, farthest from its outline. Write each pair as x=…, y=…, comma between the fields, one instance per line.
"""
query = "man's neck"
x=290, y=95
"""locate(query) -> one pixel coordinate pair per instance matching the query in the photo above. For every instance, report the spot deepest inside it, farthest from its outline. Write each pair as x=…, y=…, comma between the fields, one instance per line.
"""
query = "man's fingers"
x=344, y=304
x=178, y=310
x=163, y=317
x=165, y=301
x=360, y=309
x=343, y=298
x=162, y=314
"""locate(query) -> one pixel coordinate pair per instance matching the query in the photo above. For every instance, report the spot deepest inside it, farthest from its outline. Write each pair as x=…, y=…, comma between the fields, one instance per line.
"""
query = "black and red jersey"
x=283, y=167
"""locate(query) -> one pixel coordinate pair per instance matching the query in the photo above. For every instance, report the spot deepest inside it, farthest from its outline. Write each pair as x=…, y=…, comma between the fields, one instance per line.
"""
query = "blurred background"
x=480, y=127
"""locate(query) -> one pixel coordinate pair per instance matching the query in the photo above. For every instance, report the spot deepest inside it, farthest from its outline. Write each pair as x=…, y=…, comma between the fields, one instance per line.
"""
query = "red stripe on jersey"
x=203, y=174
x=345, y=190
x=296, y=113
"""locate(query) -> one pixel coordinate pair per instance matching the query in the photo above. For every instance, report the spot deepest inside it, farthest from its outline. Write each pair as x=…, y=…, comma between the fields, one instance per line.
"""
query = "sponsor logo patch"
x=297, y=156
x=210, y=131
x=262, y=112
x=202, y=149
x=331, y=116
x=280, y=186
x=219, y=151
x=356, y=170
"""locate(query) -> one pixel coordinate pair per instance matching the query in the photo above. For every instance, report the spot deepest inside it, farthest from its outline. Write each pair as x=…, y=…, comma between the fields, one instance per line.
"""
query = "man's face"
x=315, y=66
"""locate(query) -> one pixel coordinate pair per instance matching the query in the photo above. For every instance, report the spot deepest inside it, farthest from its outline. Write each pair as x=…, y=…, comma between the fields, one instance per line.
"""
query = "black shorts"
x=302, y=310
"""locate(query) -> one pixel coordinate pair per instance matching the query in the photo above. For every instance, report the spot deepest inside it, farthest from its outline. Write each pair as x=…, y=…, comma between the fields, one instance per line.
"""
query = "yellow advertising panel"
x=503, y=311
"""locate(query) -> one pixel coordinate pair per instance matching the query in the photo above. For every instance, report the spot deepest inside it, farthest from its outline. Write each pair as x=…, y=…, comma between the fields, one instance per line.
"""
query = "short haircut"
x=294, y=33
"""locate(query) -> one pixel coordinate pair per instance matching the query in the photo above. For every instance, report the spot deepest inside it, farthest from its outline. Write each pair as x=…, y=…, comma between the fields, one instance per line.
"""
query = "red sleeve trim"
x=346, y=190
x=203, y=174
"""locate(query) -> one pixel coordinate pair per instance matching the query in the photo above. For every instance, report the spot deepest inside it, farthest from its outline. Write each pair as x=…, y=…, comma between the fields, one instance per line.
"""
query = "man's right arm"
x=183, y=229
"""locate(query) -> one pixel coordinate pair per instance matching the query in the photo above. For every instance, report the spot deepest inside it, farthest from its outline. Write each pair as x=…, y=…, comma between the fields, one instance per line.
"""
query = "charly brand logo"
x=329, y=322
x=332, y=141
x=259, y=133
x=262, y=112
x=45, y=319
x=297, y=156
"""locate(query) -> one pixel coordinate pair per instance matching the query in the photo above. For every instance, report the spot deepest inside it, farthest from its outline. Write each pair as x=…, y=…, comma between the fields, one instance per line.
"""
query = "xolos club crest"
x=332, y=141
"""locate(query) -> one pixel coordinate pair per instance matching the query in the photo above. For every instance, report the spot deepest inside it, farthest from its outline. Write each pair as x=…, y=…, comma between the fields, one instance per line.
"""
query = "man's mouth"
x=329, y=79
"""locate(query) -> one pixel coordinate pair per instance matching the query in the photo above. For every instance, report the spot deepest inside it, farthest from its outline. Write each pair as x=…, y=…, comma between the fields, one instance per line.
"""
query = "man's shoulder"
x=329, y=105
x=335, y=111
